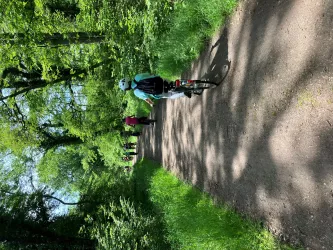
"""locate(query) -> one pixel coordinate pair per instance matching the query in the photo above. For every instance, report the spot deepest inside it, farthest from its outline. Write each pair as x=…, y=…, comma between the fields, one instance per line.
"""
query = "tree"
x=27, y=210
x=28, y=232
x=51, y=40
x=68, y=9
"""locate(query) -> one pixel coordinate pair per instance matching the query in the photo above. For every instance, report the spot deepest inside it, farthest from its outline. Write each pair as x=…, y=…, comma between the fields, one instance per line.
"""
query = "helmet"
x=124, y=84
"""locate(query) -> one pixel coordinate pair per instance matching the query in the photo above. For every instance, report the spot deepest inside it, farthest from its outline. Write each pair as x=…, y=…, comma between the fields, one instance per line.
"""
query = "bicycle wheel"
x=194, y=86
x=201, y=84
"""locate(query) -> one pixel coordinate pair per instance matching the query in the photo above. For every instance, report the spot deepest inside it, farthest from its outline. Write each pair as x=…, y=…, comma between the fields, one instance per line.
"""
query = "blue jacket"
x=139, y=93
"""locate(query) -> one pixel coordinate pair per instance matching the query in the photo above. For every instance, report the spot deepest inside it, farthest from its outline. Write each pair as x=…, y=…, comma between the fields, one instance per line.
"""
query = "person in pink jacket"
x=132, y=120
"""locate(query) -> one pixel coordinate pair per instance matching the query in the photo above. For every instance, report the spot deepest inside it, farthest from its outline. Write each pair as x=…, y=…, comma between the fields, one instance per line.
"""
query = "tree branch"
x=47, y=196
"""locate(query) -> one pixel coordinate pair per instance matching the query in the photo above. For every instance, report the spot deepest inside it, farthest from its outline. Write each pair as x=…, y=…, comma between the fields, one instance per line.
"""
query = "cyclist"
x=132, y=121
x=147, y=86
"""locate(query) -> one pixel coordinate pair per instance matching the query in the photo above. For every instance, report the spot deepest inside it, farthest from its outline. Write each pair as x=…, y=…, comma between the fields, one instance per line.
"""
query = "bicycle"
x=186, y=85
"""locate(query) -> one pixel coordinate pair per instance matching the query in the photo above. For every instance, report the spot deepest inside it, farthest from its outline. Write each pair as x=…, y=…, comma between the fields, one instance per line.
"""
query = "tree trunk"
x=26, y=86
x=53, y=142
x=55, y=39
x=23, y=74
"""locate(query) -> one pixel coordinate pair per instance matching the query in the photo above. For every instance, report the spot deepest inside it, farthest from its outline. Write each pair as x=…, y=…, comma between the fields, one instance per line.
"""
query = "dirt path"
x=263, y=140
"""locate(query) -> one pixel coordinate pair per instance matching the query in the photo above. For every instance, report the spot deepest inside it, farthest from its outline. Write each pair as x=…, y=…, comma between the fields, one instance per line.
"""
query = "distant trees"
x=60, y=114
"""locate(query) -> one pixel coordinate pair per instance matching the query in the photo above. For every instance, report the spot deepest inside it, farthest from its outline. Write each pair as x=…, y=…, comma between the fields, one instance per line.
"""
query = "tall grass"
x=192, y=220
x=192, y=23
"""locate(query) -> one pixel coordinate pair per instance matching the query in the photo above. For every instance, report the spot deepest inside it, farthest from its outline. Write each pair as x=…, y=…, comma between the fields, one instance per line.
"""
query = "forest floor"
x=262, y=141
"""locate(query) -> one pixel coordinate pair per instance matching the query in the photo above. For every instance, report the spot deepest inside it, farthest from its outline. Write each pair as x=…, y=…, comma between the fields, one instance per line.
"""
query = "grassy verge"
x=191, y=219
x=192, y=22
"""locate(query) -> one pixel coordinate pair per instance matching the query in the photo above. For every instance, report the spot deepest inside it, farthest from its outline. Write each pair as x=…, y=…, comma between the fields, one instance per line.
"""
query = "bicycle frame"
x=184, y=83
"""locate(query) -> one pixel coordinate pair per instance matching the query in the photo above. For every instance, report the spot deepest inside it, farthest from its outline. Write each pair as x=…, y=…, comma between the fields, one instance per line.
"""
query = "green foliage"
x=68, y=92
x=192, y=220
x=135, y=107
x=15, y=140
x=110, y=146
x=192, y=23
x=122, y=227
x=62, y=169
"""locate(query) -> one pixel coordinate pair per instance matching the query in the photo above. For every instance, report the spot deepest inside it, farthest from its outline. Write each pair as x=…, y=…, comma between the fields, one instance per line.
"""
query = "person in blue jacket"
x=126, y=84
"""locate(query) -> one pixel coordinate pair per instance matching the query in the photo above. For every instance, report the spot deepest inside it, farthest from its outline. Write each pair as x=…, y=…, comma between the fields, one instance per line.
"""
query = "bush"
x=122, y=227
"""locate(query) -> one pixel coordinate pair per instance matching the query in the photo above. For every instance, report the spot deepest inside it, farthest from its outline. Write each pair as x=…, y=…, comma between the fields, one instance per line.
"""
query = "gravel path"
x=262, y=141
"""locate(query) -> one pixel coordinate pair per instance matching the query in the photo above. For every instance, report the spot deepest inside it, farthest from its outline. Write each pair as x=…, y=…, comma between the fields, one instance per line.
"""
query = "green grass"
x=191, y=219
x=192, y=23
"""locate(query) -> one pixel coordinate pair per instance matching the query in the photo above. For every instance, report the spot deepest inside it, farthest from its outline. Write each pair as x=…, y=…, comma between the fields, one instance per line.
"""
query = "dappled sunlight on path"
x=262, y=141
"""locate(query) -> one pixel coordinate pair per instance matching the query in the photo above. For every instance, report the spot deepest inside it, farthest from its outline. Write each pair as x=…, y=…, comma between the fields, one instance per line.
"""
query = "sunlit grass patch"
x=192, y=220
x=192, y=22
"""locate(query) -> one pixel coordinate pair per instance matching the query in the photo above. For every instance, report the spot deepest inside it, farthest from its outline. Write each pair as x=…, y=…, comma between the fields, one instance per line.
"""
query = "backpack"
x=152, y=86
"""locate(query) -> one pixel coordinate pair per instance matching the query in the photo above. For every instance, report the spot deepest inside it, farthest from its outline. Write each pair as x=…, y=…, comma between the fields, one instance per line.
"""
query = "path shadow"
x=262, y=140
x=219, y=67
